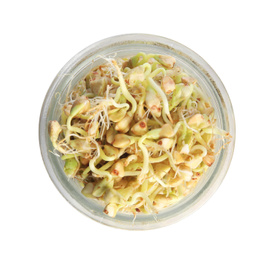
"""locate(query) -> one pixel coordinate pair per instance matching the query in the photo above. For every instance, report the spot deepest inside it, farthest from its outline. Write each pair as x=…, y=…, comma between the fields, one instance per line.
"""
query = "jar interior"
x=67, y=79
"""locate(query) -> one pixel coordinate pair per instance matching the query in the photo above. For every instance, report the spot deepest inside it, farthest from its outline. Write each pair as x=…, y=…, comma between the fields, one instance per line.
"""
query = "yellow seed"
x=185, y=149
x=188, y=80
x=140, y=128
x=156, y=111
x=176, y=181
x=111, y=151
x=120, y=183
x=134, y=75
x=54, y=130
x=111, y=210
x=140, y=113
x=67, y=109
x=167, y=84
x=196, y=120
x=124, y=125
x=162, y=201
x=110, y=135
x=117, y=115
x=209, y=158
x=121, y=141
x=195, y=162
x=166, y=143
x=153, y=102
x=186, y=171
x=165, y=60
x=118, y=169
x=184, y=167
x=84, y=161
x=166, y=131
x=191, y=184
x=161, y=169
x=178, y=158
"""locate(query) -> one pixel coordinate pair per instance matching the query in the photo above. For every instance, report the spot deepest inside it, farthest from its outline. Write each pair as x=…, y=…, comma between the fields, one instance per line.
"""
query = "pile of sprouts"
x=137, y=134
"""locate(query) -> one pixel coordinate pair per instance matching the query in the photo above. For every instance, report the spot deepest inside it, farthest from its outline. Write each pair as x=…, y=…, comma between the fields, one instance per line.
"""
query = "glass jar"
x=121, y=46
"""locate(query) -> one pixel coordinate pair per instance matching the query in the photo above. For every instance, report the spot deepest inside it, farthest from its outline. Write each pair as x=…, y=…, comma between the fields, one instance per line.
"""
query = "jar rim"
x=172, y=47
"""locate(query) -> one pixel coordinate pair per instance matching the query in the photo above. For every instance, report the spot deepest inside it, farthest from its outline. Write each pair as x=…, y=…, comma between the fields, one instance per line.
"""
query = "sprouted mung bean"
x=137, y=133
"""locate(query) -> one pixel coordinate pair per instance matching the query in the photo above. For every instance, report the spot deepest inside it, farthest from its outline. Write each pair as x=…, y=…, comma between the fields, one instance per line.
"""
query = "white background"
x=237, y=38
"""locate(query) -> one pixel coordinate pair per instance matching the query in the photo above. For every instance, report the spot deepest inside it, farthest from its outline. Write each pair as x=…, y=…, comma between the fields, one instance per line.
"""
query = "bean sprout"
x=137, y=133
